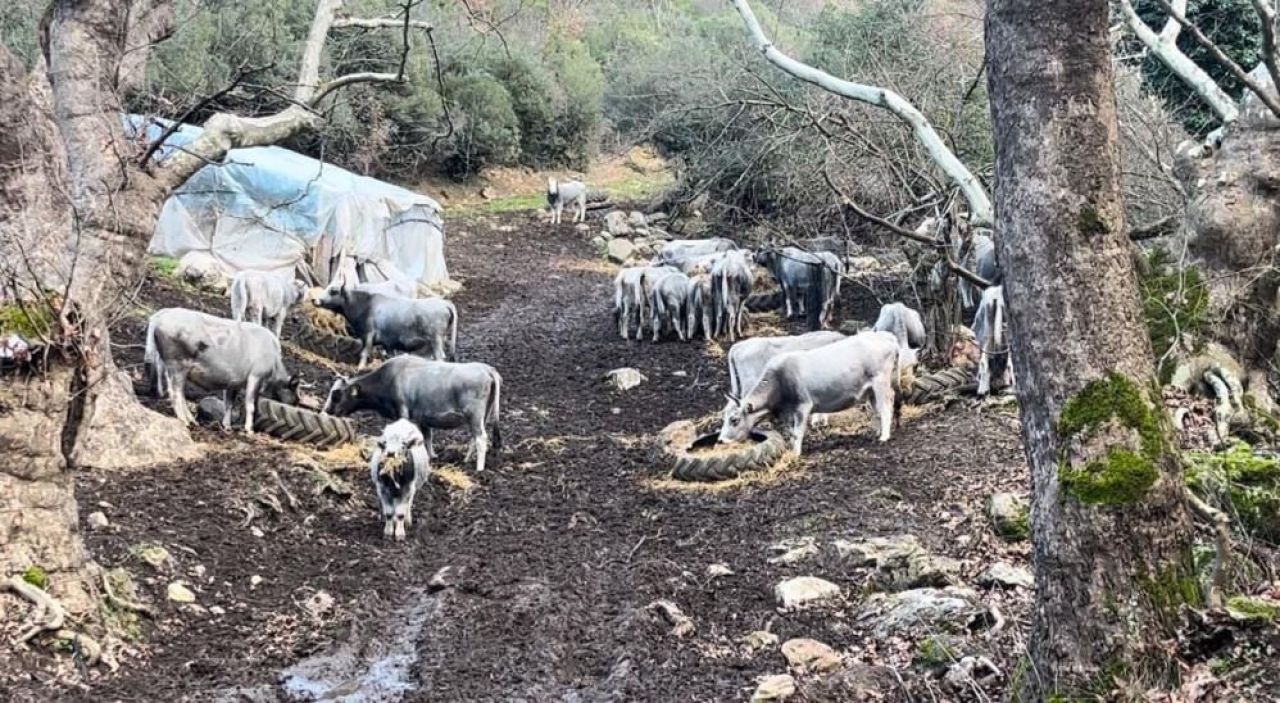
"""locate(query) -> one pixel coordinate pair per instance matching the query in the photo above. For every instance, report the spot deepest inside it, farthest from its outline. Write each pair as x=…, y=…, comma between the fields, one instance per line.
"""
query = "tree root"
x=47, y=608
x=122, y=603
x=1222, y=532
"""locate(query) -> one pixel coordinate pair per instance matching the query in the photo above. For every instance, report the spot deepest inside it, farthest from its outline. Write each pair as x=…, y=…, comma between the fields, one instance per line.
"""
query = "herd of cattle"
x=427, y=387
x=694, y=286
x=701, y=286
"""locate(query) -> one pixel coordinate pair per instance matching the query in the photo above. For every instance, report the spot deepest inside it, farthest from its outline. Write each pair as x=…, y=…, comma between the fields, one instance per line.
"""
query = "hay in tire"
x=695, y=454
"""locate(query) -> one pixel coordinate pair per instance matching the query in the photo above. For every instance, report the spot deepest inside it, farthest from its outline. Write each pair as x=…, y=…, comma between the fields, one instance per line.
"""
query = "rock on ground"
x=1007, y=575
x=179, y=593
x=636, y=220
x=1009, y=515
x=924, y=610
x=615, y=223
x=793, y=551
x=759, y=639
x=774, y=688
x=97, y=521
x=624, y=379
x=803, y=590
x=810, y=655
x=854, y=682
x=619, y=251
x=899, y=562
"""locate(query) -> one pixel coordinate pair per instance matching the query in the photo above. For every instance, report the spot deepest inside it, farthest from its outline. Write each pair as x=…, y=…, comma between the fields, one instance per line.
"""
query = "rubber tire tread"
x=934, y=386
x=331, y=346
x=295, y=424
x=724, y=466
x=764, y=302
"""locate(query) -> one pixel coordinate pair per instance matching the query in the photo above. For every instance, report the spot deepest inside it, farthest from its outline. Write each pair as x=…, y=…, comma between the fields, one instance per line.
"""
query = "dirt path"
x=562, y=544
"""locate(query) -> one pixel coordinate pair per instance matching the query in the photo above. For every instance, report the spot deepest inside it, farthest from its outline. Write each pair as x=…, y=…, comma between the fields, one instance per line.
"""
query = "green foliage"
x=1255, y=609
x=1232, y=25
x=1245, y=485
x=36, y=576
x=1123, y=476
x=18, y=26
x=534, y=97
x=486, y=130
x=1175, y=305
x=164, y=266
x=32, y=319
x=582, y=83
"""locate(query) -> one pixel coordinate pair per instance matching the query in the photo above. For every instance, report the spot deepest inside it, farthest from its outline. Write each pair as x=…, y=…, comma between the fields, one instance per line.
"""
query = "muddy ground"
x=559, y=546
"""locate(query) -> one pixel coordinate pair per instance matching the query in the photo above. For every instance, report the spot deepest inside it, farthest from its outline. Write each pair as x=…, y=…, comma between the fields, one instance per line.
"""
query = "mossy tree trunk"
x=1111, y=531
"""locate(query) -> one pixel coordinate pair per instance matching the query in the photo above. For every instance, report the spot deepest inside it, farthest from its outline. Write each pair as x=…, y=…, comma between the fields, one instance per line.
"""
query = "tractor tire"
x=938, y=385
x=678, y=448
x=331, y=346
x=296, y=424
x=764, y=302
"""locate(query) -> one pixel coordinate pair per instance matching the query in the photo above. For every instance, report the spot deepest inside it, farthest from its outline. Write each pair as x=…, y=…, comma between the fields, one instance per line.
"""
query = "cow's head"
x=300, y=289
x=285, y=391
x=332, y=298
x=344, y=397
x=740, y=417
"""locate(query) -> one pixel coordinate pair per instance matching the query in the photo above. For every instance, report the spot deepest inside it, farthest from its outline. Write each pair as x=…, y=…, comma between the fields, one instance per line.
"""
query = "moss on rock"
x=1253, y=609
x=1124, y=474
x=1245, y=485
x=36, y=576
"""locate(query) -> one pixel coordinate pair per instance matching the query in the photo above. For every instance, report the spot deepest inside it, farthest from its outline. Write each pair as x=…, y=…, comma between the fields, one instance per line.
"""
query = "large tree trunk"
x=1112, y=535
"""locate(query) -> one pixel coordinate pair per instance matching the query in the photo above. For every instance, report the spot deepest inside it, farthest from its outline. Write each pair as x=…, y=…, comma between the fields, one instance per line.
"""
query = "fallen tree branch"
x=48, y=608
x=1267, y=14
x=1222, y=531
x=380, y=23
x=1165, y=47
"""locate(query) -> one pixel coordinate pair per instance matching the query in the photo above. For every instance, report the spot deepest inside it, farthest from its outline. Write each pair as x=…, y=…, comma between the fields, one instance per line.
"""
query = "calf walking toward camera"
x=567, y=192
x=398, y=468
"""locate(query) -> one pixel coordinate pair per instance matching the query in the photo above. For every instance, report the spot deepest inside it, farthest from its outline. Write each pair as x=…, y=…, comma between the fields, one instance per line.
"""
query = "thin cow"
x=427, y=326
x=259, y=296
x=431, y=394
x=902, y=322
x=828, y=379
x=218, y=355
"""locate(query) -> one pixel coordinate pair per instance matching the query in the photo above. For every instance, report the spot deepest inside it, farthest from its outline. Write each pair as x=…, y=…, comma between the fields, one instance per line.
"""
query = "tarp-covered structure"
x=272, y=209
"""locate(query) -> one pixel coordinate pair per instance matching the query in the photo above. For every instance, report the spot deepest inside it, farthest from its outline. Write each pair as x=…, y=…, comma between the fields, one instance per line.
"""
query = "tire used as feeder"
x=937, y=385
x=692, y=458
x=326, y=344
x=294, y=424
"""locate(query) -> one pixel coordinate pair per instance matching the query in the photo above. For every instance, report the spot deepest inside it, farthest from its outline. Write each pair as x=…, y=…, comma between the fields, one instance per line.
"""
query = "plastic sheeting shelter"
x=271, y=209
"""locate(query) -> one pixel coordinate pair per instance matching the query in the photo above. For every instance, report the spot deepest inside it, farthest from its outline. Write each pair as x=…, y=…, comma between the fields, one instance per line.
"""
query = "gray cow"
x=981, y=260
x=431, y=394
x=398, y=468
x=427, y=325
x=796, y=271
x=567, y=192
x=700, y=310
x=670, y=296
x=902, y=322
x=732, y=280
x=993, y=344
x=259, y=296
x=394, y=289
x=828, y=379
x=218, y=355
x=676, y=251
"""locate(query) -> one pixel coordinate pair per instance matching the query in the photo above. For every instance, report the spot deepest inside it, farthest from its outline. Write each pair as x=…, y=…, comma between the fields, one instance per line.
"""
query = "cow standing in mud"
x=828, y=379
x=993, y=345
x=427, y=326
x=261, y=297
x=430, y=394
x=218, y=355
x=731, y=282
x=398, y=468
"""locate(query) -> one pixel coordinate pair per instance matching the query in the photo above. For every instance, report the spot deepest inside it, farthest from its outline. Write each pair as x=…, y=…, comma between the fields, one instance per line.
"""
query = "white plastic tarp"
x=271, y=209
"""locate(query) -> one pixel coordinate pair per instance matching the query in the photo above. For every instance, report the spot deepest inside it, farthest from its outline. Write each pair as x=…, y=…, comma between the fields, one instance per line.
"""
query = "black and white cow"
x=827, y=379
x=902, y=322
x=993, y=343
x=218, y=355
x=431, y=394
x=259, y=296
x=561, y=193
x=398, y=468
x=427, y=326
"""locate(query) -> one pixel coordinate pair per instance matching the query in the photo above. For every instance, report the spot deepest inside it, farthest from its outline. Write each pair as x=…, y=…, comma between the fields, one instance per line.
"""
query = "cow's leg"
x=677, y=322
x=786, y=298
x=882, y=388
x=481, y=439
x=227, y=398
x=279, y=324
x=984, y=374
x=657, y=326
x=798, y=423
x=431, y=443
x=178, y=394
x=365, y=348
x=250, y=400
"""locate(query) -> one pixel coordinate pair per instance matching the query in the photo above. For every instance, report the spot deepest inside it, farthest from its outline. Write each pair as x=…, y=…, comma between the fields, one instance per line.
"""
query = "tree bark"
x=1111, y=531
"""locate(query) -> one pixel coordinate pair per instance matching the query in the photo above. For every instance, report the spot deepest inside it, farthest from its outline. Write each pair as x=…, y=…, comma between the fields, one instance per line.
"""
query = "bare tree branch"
x=1165, y=47
x=980, y=209
x=1225, y=61
x=380, y=23
x=1267, y=14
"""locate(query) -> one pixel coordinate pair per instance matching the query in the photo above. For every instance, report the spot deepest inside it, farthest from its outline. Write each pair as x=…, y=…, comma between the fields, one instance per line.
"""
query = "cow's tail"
x=493, y=410
x=239, y=299
x=453, y=332
x=152, y=362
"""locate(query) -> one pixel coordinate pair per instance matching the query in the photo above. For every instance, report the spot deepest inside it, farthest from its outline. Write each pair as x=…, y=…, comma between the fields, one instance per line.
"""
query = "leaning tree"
x=78, y=203
x=1110, y=525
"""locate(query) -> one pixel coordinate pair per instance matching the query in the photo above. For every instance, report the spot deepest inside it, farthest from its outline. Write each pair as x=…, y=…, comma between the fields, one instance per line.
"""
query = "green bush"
x=1245, y=485
x=1175, y=305
x=536, y=101
x=486, y=130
